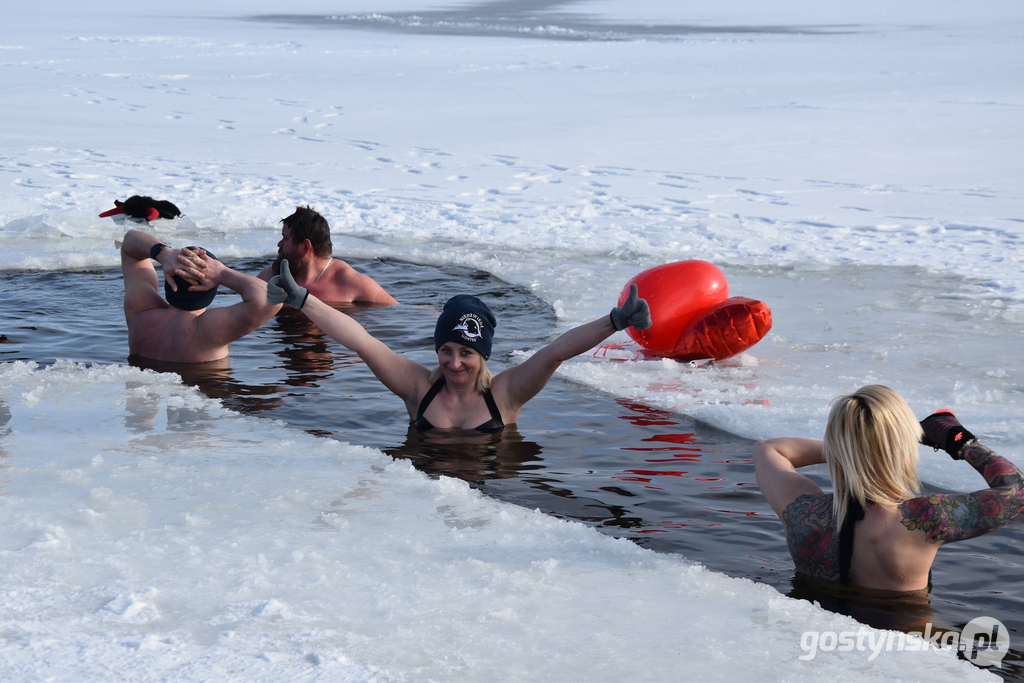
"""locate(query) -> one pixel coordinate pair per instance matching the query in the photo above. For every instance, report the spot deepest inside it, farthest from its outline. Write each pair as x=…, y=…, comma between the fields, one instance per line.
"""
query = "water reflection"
x=308, y=356
x=216, y=380
x=469, y=455
x=907, y=611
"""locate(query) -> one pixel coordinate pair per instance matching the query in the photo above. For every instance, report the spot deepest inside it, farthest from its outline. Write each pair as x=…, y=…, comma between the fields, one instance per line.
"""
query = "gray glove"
x=282, y=289
x=634, y=312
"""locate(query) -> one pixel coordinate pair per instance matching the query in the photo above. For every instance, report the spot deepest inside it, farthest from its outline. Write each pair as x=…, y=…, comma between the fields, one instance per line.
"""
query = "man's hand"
x=170, y=261
x=634, y=312
x=283, y=289
x=199, y=269
x=192, y=265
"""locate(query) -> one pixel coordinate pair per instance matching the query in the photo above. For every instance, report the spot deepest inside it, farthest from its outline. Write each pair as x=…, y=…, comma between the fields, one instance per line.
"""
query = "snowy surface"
x=857, y=168
x=153, y=536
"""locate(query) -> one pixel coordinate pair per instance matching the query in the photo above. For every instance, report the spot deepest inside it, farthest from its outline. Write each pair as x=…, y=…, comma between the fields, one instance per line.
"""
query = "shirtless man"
x=875, y=530
x=181, y=328
x=306, y=243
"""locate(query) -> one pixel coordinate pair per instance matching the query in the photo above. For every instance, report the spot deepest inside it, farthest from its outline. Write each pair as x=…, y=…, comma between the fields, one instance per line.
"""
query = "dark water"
x=534, y=19
x=658, y=478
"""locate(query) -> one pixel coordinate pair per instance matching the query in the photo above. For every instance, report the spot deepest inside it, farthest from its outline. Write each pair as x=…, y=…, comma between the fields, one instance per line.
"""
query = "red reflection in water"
x=665, y=525
x=651, y=416
x=678, y=452
x=735, y=512
x=645, y=476
x=655, y=473
x=661, y=448
x=675, y=458
x=673, y=438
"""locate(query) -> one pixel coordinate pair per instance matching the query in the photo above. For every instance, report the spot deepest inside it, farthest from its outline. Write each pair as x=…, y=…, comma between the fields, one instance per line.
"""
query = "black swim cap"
x=186, y=300
x=466, y=320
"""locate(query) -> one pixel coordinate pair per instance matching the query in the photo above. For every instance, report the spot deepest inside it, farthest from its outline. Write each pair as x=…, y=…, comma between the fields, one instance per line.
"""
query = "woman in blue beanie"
x=460, y=393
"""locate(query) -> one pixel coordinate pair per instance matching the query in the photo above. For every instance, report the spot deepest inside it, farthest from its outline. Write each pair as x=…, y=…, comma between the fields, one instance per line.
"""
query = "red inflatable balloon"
x=728, y=328
x=677, y=293
x=692, y=315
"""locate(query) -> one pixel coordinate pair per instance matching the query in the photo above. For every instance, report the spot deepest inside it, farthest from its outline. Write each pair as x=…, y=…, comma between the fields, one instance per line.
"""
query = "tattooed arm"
x=805, y=511
x=811, y=536
x=946, y=518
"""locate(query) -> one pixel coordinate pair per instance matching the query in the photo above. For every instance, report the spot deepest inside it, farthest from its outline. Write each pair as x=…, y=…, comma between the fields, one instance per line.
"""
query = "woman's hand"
x=634, y=312
x=283, y=289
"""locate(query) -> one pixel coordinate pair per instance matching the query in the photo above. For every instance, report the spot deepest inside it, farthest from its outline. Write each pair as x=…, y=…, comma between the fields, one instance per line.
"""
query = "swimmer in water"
x=874, y=531
x=460, y=393
x=306, y=243
x=179, y=326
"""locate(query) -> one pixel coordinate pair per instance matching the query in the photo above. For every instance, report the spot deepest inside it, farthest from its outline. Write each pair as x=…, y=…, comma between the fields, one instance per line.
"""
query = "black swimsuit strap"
x=854, y=513
x=494, y=425
x=492, y=407
x=429, y=396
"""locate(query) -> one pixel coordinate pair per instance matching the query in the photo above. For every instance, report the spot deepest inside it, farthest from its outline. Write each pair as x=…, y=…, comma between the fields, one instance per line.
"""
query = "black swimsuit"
x=854, y=513
x=492, y=426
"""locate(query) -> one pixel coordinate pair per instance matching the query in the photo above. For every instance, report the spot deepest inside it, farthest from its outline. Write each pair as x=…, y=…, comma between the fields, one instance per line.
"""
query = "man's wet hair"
x=307, y=224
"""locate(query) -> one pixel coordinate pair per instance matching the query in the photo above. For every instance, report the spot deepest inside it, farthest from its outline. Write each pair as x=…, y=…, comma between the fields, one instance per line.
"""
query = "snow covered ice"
x=155, y=536
x=857, y=168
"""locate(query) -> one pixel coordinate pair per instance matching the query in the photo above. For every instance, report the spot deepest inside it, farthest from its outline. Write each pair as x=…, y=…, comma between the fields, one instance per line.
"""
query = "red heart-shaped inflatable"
x=692, y=315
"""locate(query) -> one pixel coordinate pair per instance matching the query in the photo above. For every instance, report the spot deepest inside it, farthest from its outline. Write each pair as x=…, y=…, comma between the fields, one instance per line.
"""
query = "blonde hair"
x=483, y=378
x=870, y=446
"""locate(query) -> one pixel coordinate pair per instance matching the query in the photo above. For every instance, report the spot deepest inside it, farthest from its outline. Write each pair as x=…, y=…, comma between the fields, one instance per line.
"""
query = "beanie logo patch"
x=470, y=326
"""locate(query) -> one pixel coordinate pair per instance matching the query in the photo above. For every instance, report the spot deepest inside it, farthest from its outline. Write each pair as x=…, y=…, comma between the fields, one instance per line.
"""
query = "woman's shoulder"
x=813, y=509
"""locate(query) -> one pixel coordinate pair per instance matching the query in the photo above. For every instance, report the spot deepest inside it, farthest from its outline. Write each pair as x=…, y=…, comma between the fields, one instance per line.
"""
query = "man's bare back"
x=160, y=331
x=170, y=334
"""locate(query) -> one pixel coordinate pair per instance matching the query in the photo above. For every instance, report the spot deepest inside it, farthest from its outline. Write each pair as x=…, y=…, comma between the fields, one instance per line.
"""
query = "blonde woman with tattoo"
x=875, y=531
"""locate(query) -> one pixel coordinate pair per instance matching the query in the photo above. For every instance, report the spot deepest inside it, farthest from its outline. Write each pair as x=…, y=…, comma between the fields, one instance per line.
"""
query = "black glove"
x=634, y=312
x=943, y=430
x=282, y=289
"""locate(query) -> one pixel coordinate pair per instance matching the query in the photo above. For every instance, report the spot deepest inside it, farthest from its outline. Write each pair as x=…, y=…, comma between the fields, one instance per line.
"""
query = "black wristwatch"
x=156, y=249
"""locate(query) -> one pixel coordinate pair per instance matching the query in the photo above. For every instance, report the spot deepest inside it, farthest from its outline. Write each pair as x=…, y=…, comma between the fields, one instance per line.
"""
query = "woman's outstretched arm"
x=403, y=377
x=524, y=381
